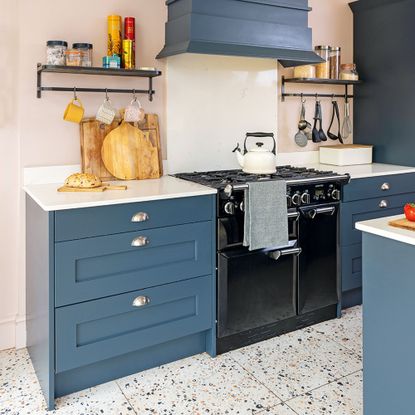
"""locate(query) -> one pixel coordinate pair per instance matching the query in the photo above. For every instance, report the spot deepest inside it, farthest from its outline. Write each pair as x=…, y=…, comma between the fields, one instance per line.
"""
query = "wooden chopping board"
x=128, y=154
x=93, y=133
x=102, y=188
x=403, y=224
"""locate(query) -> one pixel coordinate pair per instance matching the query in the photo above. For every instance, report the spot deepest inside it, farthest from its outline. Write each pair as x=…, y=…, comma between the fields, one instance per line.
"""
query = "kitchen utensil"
x=74, y=112
x=315, y=135
x=335, y=114
x=320, y=119
x=128, y=153
x=93, y=134
x=347, y=127
x=302, y=124
x=106, y=112
x=103, y=188
x=403, y=224
x=300, y=137
x=134, y=112
x=257, y=160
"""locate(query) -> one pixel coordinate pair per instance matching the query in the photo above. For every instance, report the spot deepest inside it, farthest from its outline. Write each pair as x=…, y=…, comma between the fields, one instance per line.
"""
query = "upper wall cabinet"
x=253, y=28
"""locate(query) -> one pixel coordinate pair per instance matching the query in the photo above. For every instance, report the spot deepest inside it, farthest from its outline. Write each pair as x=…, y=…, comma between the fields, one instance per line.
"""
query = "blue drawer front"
x=367, y=188
x=92, y=268
x=109, y=327
x=353, y=212
x=107, y=220
x=351, y=259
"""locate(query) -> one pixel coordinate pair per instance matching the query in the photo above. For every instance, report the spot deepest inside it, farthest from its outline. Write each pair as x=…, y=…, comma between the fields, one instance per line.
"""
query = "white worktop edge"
x=381, y=227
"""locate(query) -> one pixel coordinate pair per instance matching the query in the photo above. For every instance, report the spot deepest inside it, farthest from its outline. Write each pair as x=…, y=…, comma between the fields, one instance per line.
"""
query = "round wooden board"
x=119, y=151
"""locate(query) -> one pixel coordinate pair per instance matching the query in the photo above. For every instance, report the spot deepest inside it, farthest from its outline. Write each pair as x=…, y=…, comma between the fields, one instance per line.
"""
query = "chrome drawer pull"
x=383, y=204
x=141, y=301
x=276, y=255
x=140, y=217
x=385, y=186
x=140, y=241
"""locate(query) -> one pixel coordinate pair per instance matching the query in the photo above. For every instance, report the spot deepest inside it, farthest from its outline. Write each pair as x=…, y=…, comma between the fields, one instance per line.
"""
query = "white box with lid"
x=346, y=155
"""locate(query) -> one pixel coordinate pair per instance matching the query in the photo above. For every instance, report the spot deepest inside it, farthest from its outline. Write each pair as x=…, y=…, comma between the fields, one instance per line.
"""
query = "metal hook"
x=303, y=100
x=74, y=93
x=316, y=97
x=134, y=95
x=106, y=95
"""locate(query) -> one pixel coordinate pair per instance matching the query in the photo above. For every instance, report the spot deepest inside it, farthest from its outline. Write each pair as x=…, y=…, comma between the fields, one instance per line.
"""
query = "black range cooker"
x=264, y=293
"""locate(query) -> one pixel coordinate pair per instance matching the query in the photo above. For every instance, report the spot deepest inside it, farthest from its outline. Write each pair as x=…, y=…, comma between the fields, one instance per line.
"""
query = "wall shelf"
x=78, y=70
x=316, y=81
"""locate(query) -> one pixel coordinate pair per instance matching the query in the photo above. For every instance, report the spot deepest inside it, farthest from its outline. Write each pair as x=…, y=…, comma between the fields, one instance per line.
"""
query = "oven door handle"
x=276, y=255
x=331, y=210
x=294, y=215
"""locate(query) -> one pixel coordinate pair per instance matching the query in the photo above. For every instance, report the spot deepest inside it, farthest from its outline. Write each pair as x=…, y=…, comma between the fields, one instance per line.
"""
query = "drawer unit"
x=361, y=210
x=382, y=186
x=105, y=328
x=106, y=220
x=351, y=266
x=97, y=267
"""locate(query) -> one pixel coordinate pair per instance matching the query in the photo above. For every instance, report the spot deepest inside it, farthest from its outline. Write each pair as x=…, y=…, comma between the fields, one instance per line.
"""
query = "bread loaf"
x=83, y=181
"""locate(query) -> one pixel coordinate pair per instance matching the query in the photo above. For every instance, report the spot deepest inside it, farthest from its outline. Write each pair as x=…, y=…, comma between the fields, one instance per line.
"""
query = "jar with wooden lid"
x=323, y=68
x=348, y=72
x=335, y=62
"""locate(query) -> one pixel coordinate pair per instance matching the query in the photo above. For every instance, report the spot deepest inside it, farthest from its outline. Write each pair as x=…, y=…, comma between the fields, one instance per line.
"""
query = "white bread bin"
x=346, y=155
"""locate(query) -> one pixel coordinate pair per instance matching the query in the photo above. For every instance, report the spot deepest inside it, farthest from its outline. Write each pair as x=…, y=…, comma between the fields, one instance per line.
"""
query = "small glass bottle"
x=348, y=72
x=335, y=62
x=323, y=68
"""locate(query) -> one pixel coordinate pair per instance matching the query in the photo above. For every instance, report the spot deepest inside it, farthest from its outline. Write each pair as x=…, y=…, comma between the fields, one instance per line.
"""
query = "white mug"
x=106, y=112
x=134, y=112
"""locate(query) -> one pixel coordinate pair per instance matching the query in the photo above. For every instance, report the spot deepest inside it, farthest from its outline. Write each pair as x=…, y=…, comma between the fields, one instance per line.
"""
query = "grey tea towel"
x=266, y=222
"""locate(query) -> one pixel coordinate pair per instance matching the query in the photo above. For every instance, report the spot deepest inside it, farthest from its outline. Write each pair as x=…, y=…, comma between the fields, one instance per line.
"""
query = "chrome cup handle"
x=140, y=217
x=140, y=241
x=141, y=301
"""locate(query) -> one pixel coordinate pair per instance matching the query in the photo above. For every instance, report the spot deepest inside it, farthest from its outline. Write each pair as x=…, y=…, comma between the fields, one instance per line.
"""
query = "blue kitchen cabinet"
x=109, y=295
x=364, y=199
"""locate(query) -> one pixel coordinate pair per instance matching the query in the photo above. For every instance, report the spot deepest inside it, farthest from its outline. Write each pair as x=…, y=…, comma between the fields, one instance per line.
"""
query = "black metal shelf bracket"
x=149, y=74
x=346, y=96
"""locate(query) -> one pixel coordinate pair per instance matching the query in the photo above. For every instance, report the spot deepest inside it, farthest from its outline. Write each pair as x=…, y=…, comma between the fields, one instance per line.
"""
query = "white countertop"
x=381, y=227
x=363, y=170
x=48, y=198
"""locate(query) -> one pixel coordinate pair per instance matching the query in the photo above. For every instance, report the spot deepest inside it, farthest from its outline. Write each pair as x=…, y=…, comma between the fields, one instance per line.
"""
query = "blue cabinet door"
x=351, y=266
x=92, y=268
x=97, y=330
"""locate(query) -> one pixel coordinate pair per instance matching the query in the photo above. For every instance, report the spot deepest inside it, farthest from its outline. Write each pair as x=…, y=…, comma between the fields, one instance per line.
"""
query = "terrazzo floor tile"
x=297, y=362
x=198, y=385
x=347, y=330
x=282, y=409
x=103, y=399
x=343, y=397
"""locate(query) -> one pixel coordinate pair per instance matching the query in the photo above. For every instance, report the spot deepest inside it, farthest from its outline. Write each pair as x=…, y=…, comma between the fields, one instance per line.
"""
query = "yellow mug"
x=73, y=112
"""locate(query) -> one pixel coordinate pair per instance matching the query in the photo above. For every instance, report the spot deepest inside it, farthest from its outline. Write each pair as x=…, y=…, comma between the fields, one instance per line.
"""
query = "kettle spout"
x=239, y=155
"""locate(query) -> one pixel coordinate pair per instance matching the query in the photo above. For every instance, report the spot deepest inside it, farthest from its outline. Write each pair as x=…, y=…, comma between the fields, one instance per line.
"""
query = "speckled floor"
x=313, y=371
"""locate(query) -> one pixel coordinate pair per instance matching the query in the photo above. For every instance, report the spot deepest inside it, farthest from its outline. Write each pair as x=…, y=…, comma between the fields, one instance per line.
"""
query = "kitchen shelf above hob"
x=316, y=81
x=78, y=70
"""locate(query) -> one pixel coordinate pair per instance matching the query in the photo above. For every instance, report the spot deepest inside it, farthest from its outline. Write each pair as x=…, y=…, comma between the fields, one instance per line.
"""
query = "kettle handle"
x=261, y=135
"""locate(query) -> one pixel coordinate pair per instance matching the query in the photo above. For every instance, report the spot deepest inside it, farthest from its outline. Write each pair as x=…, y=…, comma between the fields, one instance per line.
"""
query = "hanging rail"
x=346, y=96
x=138, y=73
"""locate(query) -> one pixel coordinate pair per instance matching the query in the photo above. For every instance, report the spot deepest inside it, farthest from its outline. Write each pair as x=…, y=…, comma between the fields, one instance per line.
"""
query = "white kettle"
x=258, y=160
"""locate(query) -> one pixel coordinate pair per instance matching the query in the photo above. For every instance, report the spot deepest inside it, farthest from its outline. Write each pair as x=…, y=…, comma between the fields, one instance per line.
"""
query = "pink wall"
x=332, y=24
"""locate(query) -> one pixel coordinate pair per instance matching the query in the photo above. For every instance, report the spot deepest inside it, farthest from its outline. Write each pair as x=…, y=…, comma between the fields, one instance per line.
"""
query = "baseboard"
x=13, y=333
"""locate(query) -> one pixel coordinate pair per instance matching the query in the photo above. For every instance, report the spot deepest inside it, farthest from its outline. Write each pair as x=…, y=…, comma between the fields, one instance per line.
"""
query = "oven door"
x=318, y=283
x=256, y=288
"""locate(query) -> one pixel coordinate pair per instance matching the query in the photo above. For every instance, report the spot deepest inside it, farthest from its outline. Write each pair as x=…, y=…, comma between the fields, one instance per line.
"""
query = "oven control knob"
x=230, y=208
x=335, y=194
x=305, y=198
x=296, y=199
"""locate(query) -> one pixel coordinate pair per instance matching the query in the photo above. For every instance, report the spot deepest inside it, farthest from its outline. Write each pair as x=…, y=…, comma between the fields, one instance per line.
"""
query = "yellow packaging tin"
x=128, y=59
x=114, y=35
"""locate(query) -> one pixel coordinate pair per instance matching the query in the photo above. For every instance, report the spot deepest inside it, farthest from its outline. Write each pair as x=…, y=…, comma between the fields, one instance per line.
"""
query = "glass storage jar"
x=335, y=62
x=85, y=50
x=55, y=52
x=305, y=71
x=73, y=57
x=323, y=68
x=348, y=72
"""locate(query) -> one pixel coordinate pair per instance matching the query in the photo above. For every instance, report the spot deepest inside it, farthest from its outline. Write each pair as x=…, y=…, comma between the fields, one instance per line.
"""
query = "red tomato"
x=410, y=211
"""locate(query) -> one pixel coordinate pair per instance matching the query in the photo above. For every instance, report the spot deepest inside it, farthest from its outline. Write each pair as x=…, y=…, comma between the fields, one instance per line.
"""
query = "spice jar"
x=305, y=71
x=73, y=57
x=335, y=61
x=323, y=68
x=55, y=52
x=348, y=72
x=85, y=50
